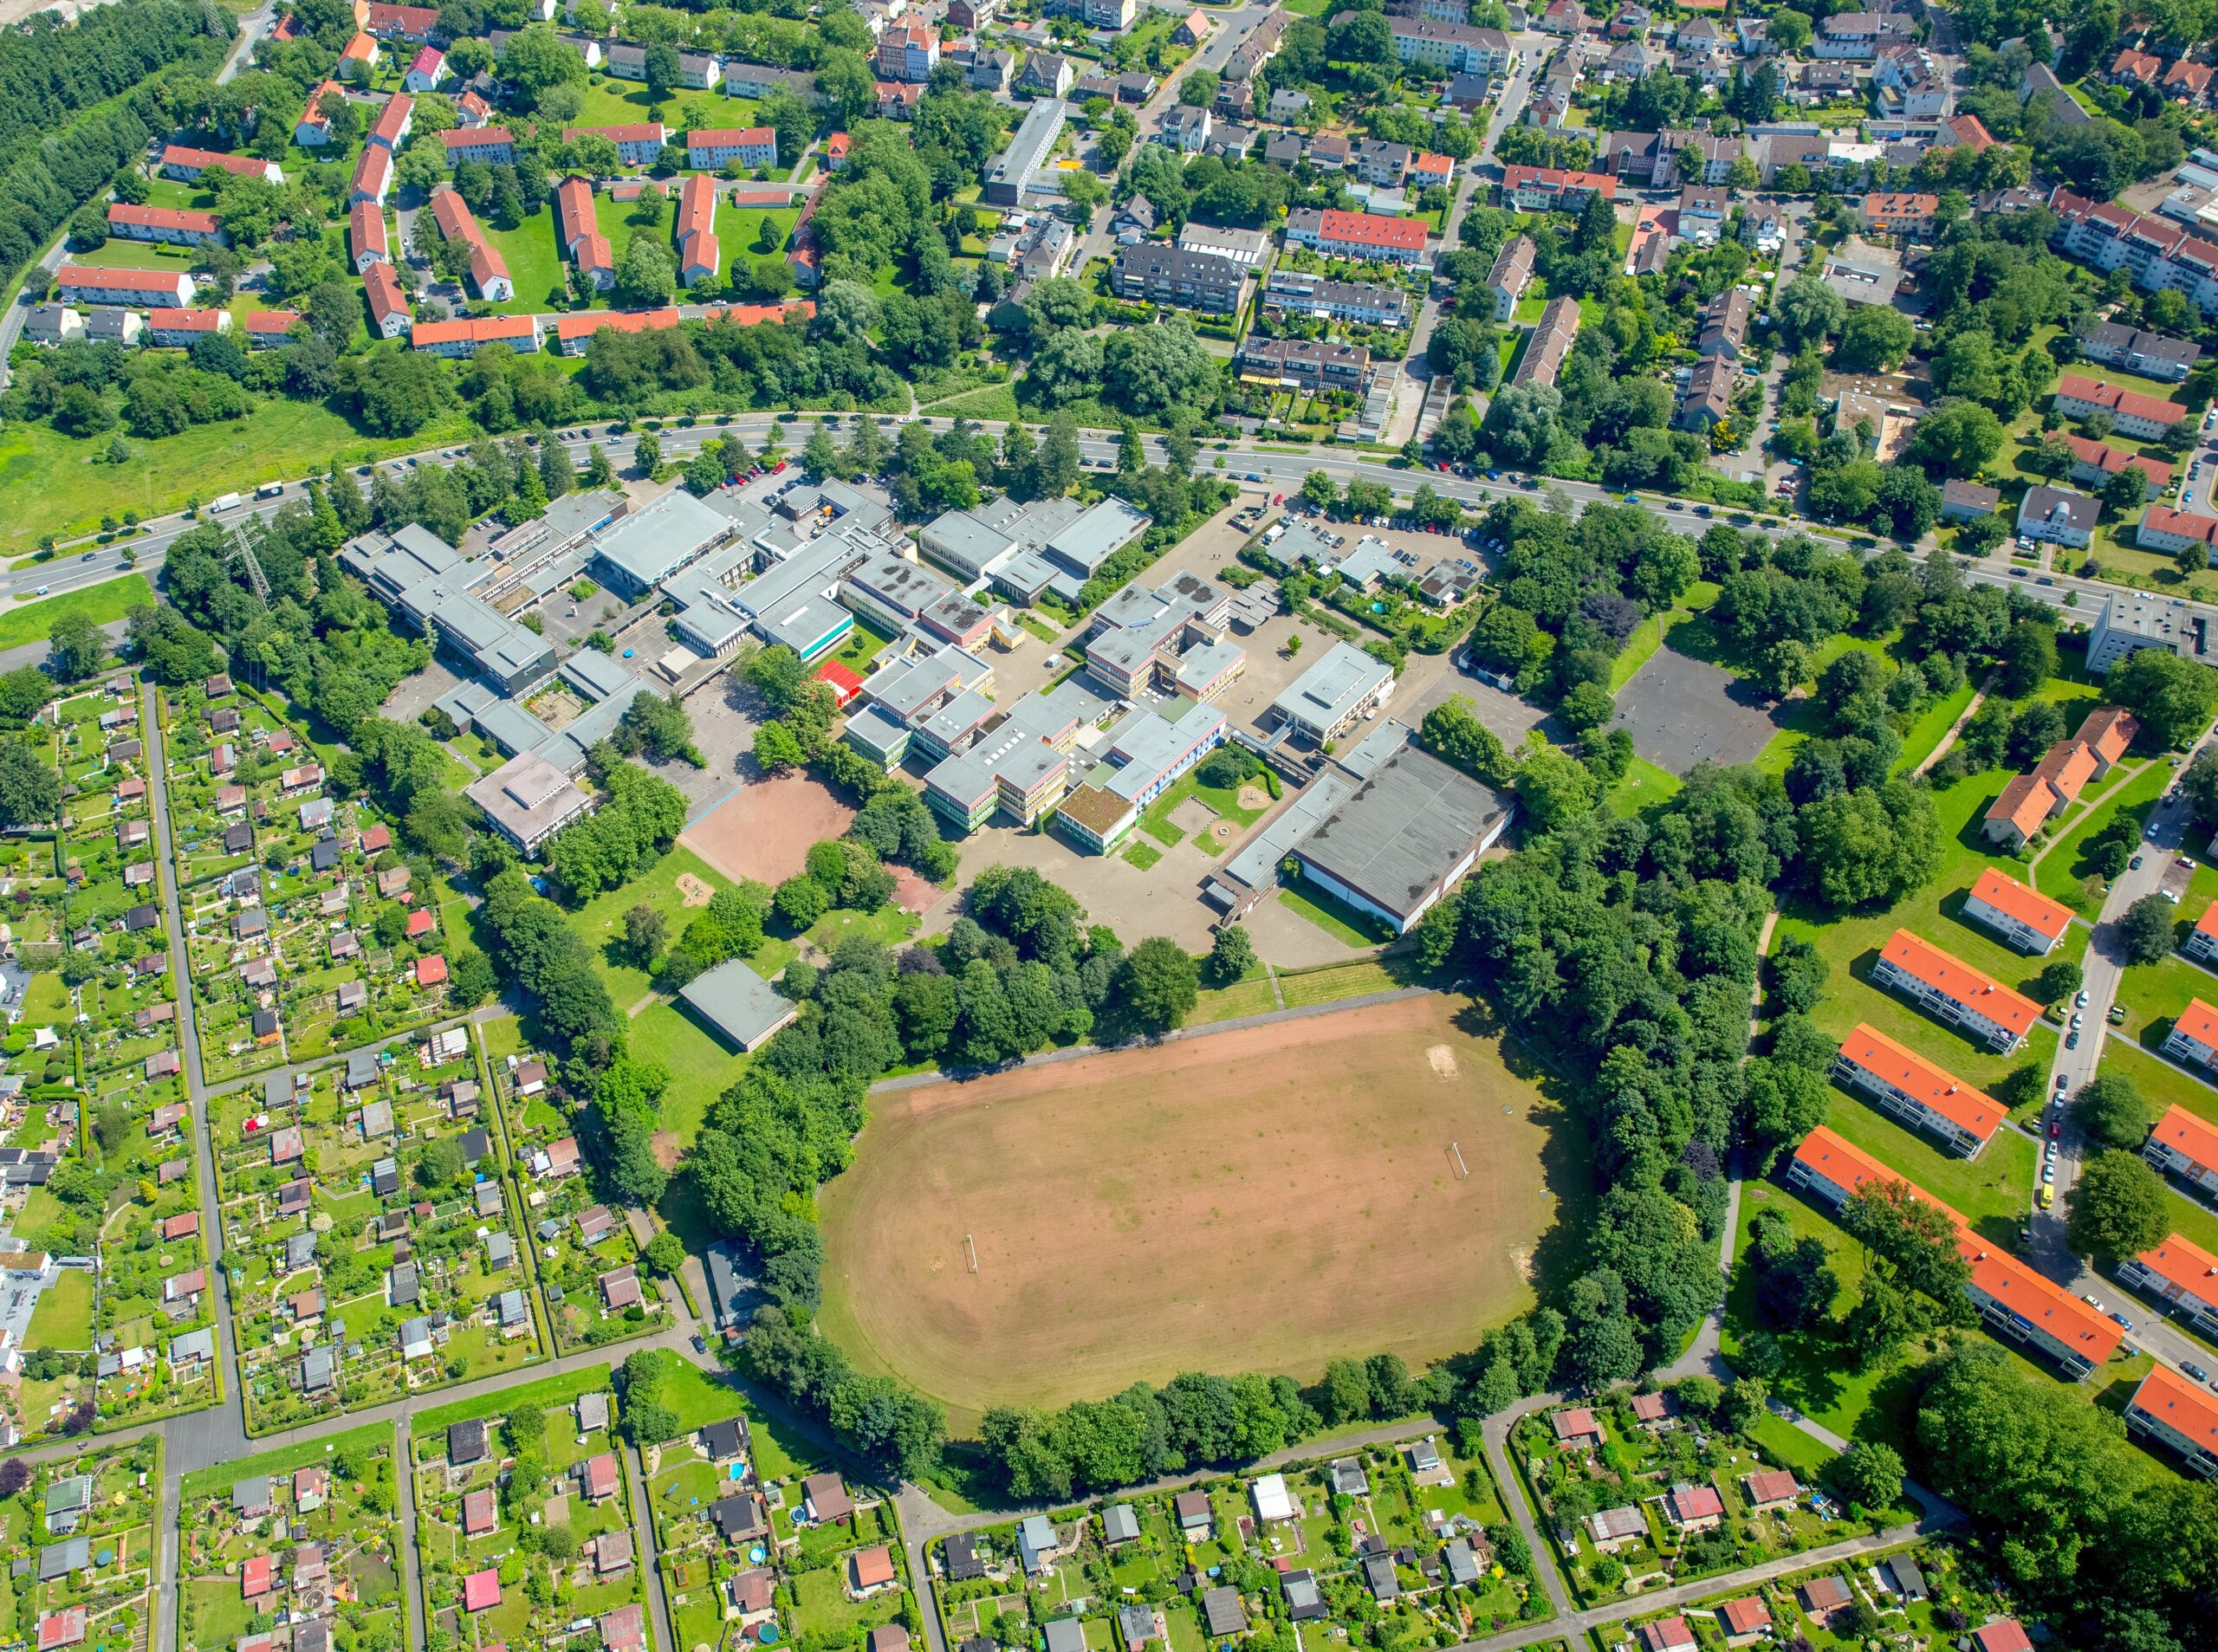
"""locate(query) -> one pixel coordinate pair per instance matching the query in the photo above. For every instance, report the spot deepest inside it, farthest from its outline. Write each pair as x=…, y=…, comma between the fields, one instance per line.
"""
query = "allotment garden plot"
x=524, y=1533
x=373, y=1250
x=1292, y=1190
x=305, y=1536
x=307, y=933
x=1403, y=1539
x=82, y=1534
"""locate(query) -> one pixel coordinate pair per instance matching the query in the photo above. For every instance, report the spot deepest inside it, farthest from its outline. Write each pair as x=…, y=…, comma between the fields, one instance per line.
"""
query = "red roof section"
x=2200, y=1022
x=161, y=217
x=2182, y=1406
x=1957, y=981
x=1369, y=229
x=2185, y=1263
x=1557, y=178
x=2186, y=524
x=2118, y=399
x=1912, y=1074
x=383, y=287
x=430, y=971
x=141, y=281
x=2020, y=901
x=2183, y=1132
x=398, y=108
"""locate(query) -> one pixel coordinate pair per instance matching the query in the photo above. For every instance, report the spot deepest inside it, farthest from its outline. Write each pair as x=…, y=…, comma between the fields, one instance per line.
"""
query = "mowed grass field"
x=1258, y=1199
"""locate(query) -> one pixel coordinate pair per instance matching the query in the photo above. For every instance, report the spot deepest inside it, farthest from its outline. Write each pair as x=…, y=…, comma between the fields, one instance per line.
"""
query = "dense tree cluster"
x=637, y=822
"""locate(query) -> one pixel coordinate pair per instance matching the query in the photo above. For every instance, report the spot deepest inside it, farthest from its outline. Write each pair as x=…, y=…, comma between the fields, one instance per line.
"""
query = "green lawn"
x=600, y=921
x=1338, y=919
x=53, y=486
x=1934, y=722
x=1850, y=943
x=534, y=263
x=701, y=1068
x=2062, y=875
x=30, y=621
x=376, y=1438
x=64, y=1318
x=1644, y=786
x=1993, y=1191
x=547, y=1392
x=47, y=999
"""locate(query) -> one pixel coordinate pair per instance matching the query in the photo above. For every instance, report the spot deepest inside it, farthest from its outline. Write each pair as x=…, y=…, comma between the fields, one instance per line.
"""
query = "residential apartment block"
x=1164, y=275
x=1920, y=1095
x=1357, y=235
x=2030, y=801
x=2193, y=1037
x=2156, y=254
x=1366, y=303
x=2150, y=354
x=170, y=226
x=1975, y=1004
x=2203, y=940
x=2178, y=1415
x=1305, y=364
x=1511, y=274
x=1550, y=188
x=1550, y=345
x=2021, y=915
x=2131, y=412
x=2183, y=1276
x=2183, y=1144
x=2162, y=528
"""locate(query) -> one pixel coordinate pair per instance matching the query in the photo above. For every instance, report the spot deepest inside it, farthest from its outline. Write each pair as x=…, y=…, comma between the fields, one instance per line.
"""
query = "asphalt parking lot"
x=1682, y=711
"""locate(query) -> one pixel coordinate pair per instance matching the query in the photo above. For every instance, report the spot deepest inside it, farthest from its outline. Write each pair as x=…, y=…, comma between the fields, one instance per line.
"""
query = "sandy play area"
x=762, y=830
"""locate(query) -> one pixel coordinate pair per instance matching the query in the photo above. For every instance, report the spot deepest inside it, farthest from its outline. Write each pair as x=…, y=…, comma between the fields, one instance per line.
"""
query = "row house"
x=2152, y=355
x=2182, y=1144
x=1708, y=399
x=2168, y=1410
x=2146, y=417
x=1859, y=33
x=1362, y=303
x=748, y=146
x=487, y=146
x=695, y=231
x=367, y=242
x=1511, y=274
x=411, y=24
x=2162, y=528
x=185, y=165
x=488, y=272
x=583, y=243
x=1923, y=1097
x=2131, y=67
x=908, y=51
x=2021, y=915
x=1305, y=364
x=2159, y=255
x=1550, y=345
x=1550, y=188
x=1357, y=235
x=1456, y=47
x=2014, y=1300
x=2031, y=800
x=133, y=288
x=170, y=226
x=1975, y=1003
x=470, y=335
x=2183, y=1276
x=573, y=334
x=174, y=329
x=2093, y=463
x=267, y=329
x=1725, y=324
x=388, y=305
x=638, y=144
x=697, y=71
x=1162, y=274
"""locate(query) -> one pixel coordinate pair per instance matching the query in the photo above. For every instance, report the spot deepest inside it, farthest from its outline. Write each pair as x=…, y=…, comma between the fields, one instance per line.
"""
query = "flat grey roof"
x=1098, y=536
x=654, y=540
x=1404, y=829
x=739, y=1003
x=1328, y=691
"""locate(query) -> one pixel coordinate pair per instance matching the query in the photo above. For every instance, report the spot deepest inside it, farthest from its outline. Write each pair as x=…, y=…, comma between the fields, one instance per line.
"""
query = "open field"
x=30, y=621
x=1286, y=1190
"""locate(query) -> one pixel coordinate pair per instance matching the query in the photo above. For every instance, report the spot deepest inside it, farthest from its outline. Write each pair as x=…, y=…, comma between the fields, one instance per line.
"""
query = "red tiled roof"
x=2200, y=1022
x=2182, y=1406
x=2185, y=524
x=383, y=287
x=482, y=329
x=1555, y=178
x=2185, y=1263
x=1959, y=982
x=583, y=324
x=176, y=320
x=161, y=217
x=475, y=137
x=2110, y=460
x=2118, y=399
x=1912, y=1074
x=183, y=155
x=2024, y=803
x=2016, y=900
x=1369, y=229
x=137, y=280
x=397, y=109
x=1745, y=1616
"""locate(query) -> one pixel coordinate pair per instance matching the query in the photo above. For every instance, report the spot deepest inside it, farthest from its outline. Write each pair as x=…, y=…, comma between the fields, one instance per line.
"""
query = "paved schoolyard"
x=1682, y=711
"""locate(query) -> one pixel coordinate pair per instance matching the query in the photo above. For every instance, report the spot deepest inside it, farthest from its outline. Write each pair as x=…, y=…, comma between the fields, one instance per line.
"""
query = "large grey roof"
x=1096, y=536
x=660, y=537
x=740, y=1004
x=1328, y=691
x=1404, y=829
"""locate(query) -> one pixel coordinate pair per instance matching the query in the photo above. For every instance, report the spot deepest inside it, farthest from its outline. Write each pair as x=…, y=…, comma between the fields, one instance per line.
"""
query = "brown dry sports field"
x=1257, y=1200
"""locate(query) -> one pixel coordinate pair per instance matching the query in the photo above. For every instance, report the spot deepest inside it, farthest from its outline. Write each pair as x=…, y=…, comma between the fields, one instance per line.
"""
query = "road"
x=2103, y=965
x=252, y=27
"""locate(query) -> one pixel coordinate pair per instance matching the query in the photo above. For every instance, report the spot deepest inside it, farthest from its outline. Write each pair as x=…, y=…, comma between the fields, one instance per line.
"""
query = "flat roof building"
x=738, y=1003
x=639, y=552
x=528, y=800
x=1333, y=693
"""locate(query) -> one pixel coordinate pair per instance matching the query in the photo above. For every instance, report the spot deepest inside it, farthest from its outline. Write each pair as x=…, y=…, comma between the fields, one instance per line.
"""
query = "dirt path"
x=2124, y=779
x=1955, y=729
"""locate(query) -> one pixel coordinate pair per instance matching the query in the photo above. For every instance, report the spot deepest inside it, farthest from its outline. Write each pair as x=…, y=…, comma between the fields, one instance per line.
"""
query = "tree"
x=647, y=454
x=30, y=792
x=2172, y=695
x=2057, y=982
x=665, y=71
x=2118, y=1207
x=1159, y=983
x=76, y=647
x=1198, y=89
x=1874, y=339
x=646, y=276
x=1231, y=955
x=1868, y=1475
x=536, y=59
x=2029, y=657
x=2111, y=1109
x=2145, y=931
x=645, y=930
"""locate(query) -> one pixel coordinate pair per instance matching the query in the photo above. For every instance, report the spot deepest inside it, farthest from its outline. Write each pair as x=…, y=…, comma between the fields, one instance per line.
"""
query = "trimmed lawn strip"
x=31, y=622
x=63, y=1318
x=376, y=1436
x=543, y=1395
x=2061, y=875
